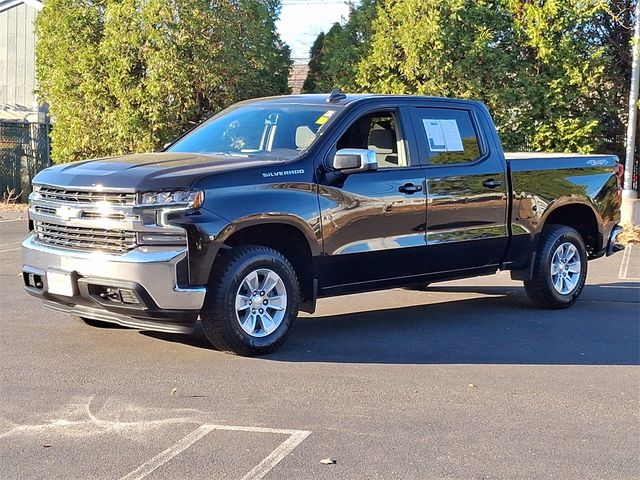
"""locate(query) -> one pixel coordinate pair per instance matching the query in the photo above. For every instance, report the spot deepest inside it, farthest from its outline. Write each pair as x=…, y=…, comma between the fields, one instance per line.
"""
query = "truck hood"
x=145, y=171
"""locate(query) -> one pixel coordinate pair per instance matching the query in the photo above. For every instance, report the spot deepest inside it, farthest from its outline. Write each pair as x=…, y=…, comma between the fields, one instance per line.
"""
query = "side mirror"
x=353, y=160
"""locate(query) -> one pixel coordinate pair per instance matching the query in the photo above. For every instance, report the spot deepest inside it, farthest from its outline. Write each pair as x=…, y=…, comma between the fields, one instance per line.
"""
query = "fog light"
x=110, y=293
x=117, y=295
x=128, y=296
x=32, y=280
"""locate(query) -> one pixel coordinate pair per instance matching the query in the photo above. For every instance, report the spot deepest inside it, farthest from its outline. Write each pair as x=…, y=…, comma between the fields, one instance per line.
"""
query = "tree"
x=128, y=76
x=316, y=66
x=336, y=55
x=613, y=30
x=345, y=47
x=536, y=64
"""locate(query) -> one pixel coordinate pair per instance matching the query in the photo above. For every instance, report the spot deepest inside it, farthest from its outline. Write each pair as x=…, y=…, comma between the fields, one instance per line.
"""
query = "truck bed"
x=564, y=163
x=553, y=155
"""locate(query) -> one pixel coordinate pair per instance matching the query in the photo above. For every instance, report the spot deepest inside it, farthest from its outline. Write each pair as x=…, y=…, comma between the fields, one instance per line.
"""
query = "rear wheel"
x=251, y=302
x=560, y=269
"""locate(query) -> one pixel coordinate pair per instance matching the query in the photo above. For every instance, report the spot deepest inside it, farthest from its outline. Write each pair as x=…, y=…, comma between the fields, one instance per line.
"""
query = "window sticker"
x=324, y=118
x=443, y=135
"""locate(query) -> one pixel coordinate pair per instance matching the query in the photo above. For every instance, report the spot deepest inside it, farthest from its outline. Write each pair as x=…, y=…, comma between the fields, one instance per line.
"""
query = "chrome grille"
x=110, y=216
x=57, y=194
x=52, y=211
x=85, y=238
x=45, y=210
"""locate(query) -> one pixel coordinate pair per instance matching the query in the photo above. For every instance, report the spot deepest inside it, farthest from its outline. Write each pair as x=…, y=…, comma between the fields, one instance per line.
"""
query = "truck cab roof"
x=352, y=98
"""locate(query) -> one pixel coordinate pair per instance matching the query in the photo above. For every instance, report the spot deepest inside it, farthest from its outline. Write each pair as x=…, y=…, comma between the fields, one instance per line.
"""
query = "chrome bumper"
x=152, y=268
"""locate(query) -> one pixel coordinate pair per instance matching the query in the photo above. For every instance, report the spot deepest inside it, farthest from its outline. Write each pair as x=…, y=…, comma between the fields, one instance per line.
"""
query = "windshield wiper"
x=226, y=154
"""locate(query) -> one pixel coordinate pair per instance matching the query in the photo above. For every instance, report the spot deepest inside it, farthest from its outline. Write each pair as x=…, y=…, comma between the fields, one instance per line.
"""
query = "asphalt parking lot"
x=465, y=380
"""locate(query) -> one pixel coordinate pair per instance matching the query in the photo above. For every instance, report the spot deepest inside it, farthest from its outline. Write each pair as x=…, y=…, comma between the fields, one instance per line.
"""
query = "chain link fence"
x=24, y=151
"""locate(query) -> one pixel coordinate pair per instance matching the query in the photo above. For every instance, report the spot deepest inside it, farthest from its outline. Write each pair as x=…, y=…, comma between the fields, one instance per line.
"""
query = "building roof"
x=18, y=113
x=297, y=76
x=7, y=4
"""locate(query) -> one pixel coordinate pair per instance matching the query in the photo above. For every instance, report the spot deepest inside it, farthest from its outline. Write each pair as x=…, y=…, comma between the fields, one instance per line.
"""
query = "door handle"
x=491, y=183
x=410, y=188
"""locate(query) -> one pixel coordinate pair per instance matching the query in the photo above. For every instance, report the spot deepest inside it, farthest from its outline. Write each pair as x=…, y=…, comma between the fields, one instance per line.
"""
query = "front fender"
x=203, y=235
x=207, y=233
x=274, y=219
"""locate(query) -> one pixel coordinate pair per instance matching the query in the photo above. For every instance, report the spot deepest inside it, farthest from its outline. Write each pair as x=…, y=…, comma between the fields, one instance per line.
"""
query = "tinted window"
x=278, y=131
x=449, y=134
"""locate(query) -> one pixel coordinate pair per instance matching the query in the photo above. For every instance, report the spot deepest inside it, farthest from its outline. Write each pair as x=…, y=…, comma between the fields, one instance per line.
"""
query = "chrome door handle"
x=491, y=183
x=410, y=188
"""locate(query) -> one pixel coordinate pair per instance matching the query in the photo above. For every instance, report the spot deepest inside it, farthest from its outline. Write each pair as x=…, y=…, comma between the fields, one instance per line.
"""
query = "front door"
x=373, y=223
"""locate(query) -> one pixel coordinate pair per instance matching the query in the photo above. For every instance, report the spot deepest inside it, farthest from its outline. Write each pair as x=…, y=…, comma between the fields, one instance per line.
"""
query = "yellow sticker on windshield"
x=324, y=118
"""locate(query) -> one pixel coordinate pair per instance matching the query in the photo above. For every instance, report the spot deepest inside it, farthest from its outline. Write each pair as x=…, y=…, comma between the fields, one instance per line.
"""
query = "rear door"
x=466, y=188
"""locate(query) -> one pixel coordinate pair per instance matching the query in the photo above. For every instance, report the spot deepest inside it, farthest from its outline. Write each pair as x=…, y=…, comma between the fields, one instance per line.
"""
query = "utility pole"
x=628, y=191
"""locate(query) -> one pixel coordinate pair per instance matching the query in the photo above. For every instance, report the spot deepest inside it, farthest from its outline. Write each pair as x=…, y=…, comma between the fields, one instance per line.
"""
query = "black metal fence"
x=24, y=151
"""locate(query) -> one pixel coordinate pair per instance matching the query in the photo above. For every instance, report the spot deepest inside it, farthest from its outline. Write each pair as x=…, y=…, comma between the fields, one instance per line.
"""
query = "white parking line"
x=619, y=286
x=259, y=471
x=163, y=457
x=624, y=266
x=76, y=420
x=284, y=449
x=10, y=250
x=13, y=220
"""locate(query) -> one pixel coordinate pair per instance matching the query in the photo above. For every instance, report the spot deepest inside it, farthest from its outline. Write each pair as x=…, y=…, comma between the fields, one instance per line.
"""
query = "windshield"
x=267, y=130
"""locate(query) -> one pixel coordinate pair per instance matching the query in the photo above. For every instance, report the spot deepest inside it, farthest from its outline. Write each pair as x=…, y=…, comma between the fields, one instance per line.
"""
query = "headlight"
x=190, y=198
x=35, y=194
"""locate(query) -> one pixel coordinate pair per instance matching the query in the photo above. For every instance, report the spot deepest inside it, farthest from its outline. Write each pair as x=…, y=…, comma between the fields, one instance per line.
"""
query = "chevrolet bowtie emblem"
x=67, y=213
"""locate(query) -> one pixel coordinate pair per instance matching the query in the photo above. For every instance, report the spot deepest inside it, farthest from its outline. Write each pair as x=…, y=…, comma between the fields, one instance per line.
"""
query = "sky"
x=302, y=20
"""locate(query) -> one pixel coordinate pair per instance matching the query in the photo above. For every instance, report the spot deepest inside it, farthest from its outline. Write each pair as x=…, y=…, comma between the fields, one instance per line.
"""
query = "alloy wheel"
x=261, y=302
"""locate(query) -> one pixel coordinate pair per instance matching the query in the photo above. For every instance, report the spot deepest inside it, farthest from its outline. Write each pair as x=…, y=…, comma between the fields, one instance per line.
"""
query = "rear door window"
x=449, y=134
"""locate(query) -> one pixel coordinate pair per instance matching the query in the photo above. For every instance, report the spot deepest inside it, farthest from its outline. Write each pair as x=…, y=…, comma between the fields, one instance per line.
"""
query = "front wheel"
x=251, y=302
x=560, y=269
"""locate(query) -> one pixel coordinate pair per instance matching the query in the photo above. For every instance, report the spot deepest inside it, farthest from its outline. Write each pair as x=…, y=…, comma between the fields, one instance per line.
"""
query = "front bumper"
x=155, y=276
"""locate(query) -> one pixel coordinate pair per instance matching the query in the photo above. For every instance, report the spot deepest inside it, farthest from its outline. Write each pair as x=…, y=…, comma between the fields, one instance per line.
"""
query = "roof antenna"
x=335, y=96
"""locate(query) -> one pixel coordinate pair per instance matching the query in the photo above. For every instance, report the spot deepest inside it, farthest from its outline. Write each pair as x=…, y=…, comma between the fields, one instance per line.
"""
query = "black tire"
x=417, y=286
x=540, y=288
x=221, y=325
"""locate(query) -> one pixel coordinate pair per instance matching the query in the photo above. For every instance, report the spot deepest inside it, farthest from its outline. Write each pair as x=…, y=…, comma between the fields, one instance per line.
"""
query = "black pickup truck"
x=275, y=202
